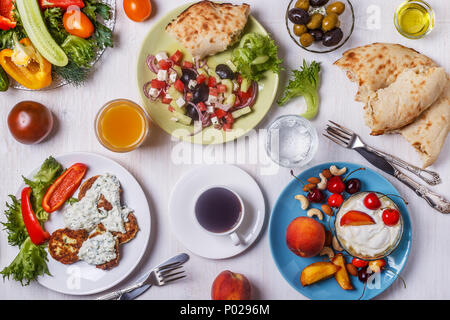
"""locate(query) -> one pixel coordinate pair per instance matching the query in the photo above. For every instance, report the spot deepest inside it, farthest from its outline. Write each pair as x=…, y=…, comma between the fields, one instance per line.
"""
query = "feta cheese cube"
x=180, y=102
x=173, y=77
x=154, y=92
x=162, y=75
x=168, y=96
x=161, y=56
x=210, y=109
x=192, y=84
x=212, y=99
x=214, y=120
x=235, y=86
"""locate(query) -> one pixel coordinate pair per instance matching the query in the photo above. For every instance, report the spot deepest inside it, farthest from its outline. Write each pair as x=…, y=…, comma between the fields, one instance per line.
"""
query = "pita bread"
x=399, y=104
x=376, y=66
x=428, y=133
x=207, y=28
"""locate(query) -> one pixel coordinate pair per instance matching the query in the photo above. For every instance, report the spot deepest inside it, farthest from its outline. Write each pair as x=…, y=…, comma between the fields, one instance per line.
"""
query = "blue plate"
x=287, y=208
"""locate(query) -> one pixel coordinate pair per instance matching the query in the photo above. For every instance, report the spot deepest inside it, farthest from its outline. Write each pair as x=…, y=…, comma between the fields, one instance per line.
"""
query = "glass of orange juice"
x=121, y=125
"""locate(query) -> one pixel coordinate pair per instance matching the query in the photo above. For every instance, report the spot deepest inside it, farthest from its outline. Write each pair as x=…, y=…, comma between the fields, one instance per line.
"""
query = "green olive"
x=300, y=29
x=302, y=4
x=330, y=22
x=306, y=39
x=336, y=7
x=315, y=21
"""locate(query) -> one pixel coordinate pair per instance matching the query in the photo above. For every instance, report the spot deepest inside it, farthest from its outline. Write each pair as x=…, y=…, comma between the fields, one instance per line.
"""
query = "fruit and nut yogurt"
x=373, y=240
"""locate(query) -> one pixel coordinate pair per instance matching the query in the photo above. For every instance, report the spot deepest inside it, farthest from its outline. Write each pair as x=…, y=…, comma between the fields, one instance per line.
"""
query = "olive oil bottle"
x=414, y=19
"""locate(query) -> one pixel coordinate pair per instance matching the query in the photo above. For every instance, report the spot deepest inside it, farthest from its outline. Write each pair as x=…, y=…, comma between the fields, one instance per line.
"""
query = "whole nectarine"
x=230, y=286
x=305, y=237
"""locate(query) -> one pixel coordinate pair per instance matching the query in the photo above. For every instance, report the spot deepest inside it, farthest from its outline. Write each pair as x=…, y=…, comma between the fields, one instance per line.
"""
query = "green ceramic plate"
x=158, y=40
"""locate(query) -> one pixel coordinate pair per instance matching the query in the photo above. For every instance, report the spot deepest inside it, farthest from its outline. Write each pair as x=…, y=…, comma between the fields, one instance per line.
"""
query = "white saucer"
x=182, y=218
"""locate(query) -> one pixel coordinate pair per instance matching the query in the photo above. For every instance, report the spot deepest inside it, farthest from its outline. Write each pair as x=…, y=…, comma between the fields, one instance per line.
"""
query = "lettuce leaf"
x=255, y=55
x=14, y=226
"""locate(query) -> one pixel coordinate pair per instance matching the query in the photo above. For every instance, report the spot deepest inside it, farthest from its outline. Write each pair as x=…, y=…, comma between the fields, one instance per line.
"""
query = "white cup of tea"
x=219, y=211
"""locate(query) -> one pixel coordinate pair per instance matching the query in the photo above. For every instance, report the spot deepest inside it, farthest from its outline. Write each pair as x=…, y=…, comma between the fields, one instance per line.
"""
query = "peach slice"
x=318, y=271
x=356, y=218
x=341, y=276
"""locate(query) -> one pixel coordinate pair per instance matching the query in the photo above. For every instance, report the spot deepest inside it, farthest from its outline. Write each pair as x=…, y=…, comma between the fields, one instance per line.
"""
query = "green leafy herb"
x=255, y=55
x=305, y=83
x=47, y=174
x=92, y=8
x=53, y=18
x=103, y=36
x=81, y=51
x=72, y=73
x=72, y=200
x=30, y=263
x=14, y=226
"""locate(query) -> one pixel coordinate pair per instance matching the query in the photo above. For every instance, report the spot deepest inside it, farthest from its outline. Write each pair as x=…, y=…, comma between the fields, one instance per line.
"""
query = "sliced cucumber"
x=34, y=25
x=174, y=93
x=229, y=84
x=231, y=65
x=202, y=71
x=245, y=85
x=178, y=70
x=231, y=100
x=182, y=118
x=174, y=105
x=241, y=112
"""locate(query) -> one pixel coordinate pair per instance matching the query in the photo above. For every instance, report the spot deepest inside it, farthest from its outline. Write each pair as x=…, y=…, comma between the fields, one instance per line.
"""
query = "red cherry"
x=391, y=217
x=335, y=200
x=359, y=263
x=316, y=196
x=372, y=202
x=335, y=185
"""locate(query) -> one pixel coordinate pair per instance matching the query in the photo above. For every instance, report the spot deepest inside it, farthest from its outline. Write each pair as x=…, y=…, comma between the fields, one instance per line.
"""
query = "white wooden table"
x=75, y=108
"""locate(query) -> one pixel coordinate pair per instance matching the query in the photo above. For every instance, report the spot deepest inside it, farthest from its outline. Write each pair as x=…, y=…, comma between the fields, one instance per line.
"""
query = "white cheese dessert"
x=370, y=241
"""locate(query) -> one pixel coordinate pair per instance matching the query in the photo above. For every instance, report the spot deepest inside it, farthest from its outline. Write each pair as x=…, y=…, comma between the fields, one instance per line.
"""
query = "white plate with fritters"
x=81, y=278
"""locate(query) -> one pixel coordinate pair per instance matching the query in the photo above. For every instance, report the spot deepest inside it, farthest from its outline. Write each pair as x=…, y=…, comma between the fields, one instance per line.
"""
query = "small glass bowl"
x=347, y=20
x=385, y=253
x=283, y=145
x=98, y=131
x=424, y=5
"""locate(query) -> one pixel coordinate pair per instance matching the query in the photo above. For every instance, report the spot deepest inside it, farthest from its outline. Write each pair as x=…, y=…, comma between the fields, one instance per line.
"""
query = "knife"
x=435, y=200
x=138, y=290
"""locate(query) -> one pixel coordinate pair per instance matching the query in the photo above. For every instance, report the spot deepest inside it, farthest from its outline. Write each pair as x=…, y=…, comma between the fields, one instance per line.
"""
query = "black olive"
x=332, y=37
x=188, y=75
x=192, y=112
x=317, y=34
x=318, y=3
x=200, y=93
x=224, y=72
x=298, y=16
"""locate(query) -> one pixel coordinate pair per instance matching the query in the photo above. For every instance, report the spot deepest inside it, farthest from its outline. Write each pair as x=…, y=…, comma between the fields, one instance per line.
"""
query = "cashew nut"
x=303, y=200
x=315, y=212
x=337, y=172
x=322, y=185
x=327, y=251
x=335, y=244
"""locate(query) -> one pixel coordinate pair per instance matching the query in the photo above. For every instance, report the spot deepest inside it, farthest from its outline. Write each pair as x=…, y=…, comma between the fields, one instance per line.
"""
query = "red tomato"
x=78, y=24
x=188, y=65
x=220, y=113
x=212, y=82
x=164, y=64
x=176, y=57
x=137, y=10
x=201, y=106
x=201, y=78
x=221, y=88
x=158, y=84
x=179, y=85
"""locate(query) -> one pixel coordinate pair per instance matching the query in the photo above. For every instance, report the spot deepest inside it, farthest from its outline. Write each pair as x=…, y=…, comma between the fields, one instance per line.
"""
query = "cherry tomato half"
x=137, y=10
x=78, y=24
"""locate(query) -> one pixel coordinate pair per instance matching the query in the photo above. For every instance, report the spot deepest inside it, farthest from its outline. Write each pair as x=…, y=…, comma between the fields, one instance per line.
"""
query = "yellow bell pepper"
x=25, y=65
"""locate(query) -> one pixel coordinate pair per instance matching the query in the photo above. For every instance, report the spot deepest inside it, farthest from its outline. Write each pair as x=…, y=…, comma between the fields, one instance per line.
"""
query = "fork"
x=159, y=277
x=349, y=139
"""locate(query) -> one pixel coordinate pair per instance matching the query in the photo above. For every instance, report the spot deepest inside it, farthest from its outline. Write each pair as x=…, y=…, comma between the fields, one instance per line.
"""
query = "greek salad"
x=197, y=94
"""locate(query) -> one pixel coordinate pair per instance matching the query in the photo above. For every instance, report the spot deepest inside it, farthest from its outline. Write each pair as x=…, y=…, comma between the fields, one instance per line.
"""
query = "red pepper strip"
x=64, y=187
x=34, y=228
x=63, y=4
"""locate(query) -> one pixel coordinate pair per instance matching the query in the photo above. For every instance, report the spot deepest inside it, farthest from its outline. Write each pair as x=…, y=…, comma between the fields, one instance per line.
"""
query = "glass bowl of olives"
x=320, y=26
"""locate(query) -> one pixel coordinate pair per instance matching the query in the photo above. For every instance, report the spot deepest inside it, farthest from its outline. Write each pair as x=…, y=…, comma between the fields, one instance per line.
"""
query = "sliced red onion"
x=252, y=99
x=152, y=64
